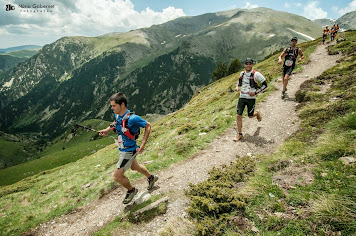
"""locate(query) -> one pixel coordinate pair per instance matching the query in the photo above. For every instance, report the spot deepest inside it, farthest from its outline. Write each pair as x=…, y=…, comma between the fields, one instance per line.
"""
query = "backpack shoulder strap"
x=252, y=76
x=127, y=116
x=253, y=73
x=125, y=128
x=240, y=78
x=242, y=75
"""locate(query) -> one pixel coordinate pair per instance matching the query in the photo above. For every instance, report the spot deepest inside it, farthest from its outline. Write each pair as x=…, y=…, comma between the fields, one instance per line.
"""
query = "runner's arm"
x=261, y=79
x=280, y=56
x=145, y=137
x=238, y=84
x=263, y=87
x=104, y=132
x=302, y=55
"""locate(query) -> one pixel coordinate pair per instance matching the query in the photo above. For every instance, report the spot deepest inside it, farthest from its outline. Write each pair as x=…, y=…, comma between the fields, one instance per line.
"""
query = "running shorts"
x=250, y=103
x=126, y=159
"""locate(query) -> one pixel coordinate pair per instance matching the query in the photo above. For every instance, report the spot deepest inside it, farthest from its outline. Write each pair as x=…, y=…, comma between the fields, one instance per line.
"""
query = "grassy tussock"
x=215, y=201
x=336, y=211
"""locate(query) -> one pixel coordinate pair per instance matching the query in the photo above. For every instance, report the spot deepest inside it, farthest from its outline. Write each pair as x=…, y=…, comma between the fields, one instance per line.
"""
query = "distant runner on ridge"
x=333, y=32
x=127, y=126
x=248, y=82
x=325, y=33
x=290, y=54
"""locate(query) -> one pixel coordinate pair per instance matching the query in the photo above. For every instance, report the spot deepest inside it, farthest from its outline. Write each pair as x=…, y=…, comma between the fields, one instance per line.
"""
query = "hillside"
x=23, y=159
x=308, y=186
x=19, y=48
x=174, y=138
x=160, y=67
x=348, y=21
x=8, y=61
x=325, y=21
x=25, y=53
x=16, y=149
x=10, y=57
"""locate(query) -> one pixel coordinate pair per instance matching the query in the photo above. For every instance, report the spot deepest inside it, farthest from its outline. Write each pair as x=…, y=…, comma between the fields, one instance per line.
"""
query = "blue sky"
x=97, y=17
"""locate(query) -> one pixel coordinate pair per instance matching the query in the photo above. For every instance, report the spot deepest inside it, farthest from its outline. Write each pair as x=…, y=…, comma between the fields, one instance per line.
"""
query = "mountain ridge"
x=166, y=62
x=18, y=48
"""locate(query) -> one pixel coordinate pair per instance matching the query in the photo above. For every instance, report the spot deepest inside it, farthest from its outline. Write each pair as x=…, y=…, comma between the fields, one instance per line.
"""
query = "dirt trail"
x=279, y=121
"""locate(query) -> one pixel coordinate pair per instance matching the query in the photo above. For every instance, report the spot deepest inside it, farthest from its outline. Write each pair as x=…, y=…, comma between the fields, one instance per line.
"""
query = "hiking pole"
x=77, y=126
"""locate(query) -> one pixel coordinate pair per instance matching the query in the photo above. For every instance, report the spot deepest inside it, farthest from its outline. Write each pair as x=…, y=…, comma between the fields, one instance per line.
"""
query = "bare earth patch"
x=294, y=175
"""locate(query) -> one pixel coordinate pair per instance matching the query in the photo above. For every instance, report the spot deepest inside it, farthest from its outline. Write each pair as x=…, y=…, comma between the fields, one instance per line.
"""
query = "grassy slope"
x=60, y=153
x=11, y=152
x=64, y=150
x=327, y=205
x=175, y=137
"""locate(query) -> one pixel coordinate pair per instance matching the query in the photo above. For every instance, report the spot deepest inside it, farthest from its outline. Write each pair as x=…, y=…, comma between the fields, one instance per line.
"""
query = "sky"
x=40, y=22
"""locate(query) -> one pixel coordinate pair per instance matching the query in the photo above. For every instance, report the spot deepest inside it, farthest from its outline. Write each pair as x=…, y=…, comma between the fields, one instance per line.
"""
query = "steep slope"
x=68, y=148
x=348, y=21
x=325, y=21
x=159, y=68
x=7, y=62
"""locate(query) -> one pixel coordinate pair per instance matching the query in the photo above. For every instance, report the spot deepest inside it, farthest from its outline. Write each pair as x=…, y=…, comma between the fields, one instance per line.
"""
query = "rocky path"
x=279, y=122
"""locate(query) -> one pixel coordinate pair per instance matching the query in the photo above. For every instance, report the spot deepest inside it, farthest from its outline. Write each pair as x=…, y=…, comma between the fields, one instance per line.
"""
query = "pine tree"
x=220, y=71
x=234, y=67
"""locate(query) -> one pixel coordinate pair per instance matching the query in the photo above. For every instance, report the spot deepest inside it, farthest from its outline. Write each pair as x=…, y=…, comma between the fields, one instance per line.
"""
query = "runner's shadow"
x=256, y=139
x=287, y=98
x=129, y=206
x=155, y=187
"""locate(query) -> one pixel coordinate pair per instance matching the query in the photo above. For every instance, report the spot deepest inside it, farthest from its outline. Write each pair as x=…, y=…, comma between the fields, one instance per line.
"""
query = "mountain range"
x=10, y=57
x=159, y=68
x=346, y=22
x=19, y=48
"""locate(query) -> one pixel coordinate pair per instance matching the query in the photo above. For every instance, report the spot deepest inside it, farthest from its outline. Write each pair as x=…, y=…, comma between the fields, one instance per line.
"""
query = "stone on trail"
x=143, y=197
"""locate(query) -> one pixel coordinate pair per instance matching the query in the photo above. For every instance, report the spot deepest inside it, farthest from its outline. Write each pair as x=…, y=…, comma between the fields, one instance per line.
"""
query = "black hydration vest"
x=253, y=83
x=291, y=54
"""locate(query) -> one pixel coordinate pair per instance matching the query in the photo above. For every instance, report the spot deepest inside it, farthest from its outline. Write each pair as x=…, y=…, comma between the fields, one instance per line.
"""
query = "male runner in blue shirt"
x=127, y=126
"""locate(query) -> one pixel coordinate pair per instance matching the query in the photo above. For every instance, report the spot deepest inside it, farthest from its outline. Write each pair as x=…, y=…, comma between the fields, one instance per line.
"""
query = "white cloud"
x=298, y=4
x=80, y=17
x=312, y=11
x=4, y=32
x=349, y=8
x=249, y=5
x=286, y=5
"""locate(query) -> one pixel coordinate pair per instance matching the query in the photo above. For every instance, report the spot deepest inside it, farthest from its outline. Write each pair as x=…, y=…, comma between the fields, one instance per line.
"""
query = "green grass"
x=54, y=192
x=65, y=150
x=327, y=132
x=11, y=152
x=323, y=205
